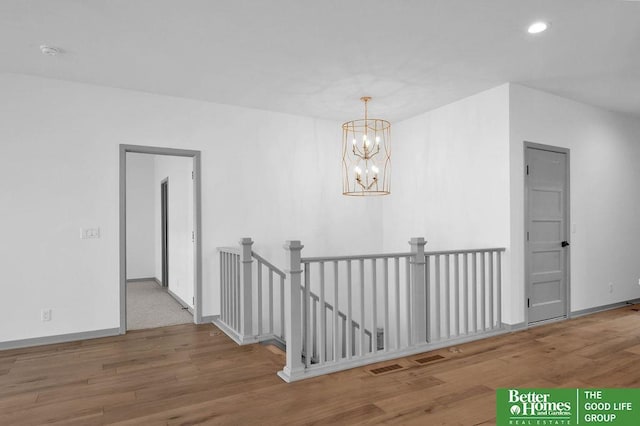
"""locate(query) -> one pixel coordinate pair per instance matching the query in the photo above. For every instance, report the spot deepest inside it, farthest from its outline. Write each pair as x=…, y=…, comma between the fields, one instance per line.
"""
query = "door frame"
x=567, y=227
x=164, y=232
x=197, y=224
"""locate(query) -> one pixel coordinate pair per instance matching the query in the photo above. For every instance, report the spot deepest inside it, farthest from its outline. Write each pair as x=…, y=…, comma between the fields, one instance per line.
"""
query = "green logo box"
x=524, y=407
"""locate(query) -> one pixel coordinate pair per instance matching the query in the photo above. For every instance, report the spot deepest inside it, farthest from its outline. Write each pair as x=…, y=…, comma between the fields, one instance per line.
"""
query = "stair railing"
x=274, y=301
x=252, y=295
x=340, y=312
x=397, y=304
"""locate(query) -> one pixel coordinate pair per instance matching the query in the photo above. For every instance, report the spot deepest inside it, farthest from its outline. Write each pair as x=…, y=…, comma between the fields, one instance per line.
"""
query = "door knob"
x=564, y=243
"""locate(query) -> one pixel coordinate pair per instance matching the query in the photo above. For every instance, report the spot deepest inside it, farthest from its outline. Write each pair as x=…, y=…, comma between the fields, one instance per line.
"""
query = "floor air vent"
x=386, y=369
x=428, y=359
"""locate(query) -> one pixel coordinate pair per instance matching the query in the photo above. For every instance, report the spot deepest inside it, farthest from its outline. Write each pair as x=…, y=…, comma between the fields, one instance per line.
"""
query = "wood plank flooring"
x=187, y=375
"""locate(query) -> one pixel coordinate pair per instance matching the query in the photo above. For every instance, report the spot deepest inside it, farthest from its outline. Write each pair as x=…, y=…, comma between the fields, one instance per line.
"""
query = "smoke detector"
x=49, y=50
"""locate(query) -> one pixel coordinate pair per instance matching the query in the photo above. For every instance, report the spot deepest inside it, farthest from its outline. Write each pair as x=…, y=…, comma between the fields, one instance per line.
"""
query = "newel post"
x=419, y=291
x=246, y=289
x=293, y=311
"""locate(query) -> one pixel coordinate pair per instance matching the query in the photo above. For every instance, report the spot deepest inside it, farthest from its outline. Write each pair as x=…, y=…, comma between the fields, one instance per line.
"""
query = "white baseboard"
x=180, y=301
x=582, y=312
x=209, y=319
x=61, y=338
x=515, y=327
x=137, y=280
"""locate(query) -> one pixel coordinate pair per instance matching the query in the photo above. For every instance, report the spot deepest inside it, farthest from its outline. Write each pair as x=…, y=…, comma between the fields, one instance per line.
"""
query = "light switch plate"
x=88, y=233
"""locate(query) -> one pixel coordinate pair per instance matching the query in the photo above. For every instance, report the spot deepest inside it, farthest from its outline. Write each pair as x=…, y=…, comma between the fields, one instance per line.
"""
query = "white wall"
x=141, y=242
x=450, y=177
x=457, y=180
x=605, y=201
x=266, y=175
x=180, y=203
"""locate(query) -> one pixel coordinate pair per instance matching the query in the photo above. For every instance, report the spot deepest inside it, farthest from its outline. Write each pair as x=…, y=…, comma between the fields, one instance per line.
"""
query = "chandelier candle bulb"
x=376, y=159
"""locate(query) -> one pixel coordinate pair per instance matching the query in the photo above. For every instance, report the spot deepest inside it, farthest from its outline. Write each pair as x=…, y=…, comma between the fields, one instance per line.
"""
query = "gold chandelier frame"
x=366, y=155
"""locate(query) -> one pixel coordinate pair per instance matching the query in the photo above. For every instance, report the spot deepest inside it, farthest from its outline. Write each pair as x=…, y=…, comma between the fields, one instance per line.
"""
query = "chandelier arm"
x=362, y=157
x=373, y=155
x=356, y=151
x=373, y=182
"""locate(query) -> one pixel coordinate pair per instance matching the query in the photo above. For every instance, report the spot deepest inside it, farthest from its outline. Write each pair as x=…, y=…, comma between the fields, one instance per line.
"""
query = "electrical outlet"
x=45, y=315
x=610, y=287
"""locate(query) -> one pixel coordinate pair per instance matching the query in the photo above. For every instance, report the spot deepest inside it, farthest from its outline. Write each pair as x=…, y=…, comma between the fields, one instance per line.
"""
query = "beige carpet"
x=150, y=306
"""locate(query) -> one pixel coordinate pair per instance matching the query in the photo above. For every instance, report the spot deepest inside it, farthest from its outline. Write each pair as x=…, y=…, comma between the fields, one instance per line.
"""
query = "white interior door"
x=547, y=247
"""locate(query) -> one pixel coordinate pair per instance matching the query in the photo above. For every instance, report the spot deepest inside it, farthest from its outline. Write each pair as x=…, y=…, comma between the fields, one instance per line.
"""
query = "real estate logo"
x=620, y=407
x=537, y=406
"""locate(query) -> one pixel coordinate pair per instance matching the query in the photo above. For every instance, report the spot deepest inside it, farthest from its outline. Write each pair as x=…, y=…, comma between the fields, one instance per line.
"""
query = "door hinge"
x=528, y=304
x=527, y=169
x=193, y=237
x=192, y=176
x=527, y=235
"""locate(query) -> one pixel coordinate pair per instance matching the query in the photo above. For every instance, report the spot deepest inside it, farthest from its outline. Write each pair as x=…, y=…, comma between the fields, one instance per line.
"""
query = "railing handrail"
x=355, y=257
x=233, y=250
x=479, y=250
x=268, y=264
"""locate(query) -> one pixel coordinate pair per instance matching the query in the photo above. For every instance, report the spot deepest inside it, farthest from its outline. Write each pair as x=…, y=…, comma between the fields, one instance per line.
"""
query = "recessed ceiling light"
x=49, y=50
x=537, y=27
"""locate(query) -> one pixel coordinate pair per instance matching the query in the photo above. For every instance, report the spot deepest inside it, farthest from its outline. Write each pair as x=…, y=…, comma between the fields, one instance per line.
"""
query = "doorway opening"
x=547, y=247
x=176, y=225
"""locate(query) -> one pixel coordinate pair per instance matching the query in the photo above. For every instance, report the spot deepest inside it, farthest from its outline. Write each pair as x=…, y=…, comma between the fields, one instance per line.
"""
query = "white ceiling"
x=317, y=58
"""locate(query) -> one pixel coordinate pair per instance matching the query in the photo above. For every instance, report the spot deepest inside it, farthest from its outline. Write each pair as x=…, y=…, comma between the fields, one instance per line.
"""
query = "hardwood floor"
x=187, y=374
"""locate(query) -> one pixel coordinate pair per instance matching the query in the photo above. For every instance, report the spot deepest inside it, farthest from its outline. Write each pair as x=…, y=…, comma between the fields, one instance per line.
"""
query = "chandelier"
x=366, y=155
